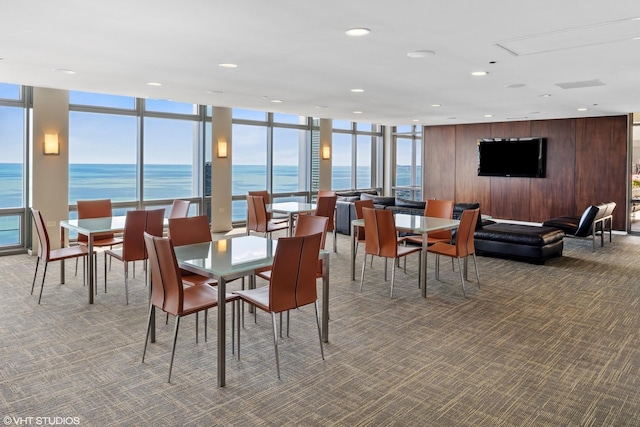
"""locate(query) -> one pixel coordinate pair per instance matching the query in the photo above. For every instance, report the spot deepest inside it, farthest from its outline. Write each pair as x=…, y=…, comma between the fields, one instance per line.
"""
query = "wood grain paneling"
x=439, y=162
x=586, y=164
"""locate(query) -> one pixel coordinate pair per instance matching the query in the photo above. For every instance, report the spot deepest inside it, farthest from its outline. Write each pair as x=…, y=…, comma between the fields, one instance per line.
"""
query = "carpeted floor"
x=552, y=345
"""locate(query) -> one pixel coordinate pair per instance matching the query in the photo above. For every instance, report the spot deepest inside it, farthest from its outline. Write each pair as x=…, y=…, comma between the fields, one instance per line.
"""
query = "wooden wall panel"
x=586, y=163
x=601, y=159
x=469, y=186
x=554, y=195
x=439, y=163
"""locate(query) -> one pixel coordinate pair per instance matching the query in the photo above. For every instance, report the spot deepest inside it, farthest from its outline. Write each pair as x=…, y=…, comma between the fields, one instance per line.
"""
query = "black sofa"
x=527, y=243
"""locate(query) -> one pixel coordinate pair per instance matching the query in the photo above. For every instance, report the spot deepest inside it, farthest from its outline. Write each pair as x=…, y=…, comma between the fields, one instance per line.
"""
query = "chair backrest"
x=382, y=238
x=265, y=196
x=100, y=208
x=326, y=193
x=326, y=206
x=179, y=208
x=586, y=220
x=439, y=209
x=307, y=225
x=132, y=237
x=189, y=230
x=464, y=237
x=155, y=222
x=256, y=214
x=166, y=282
x=44, y=247
x=293, y=275
x=358, y=205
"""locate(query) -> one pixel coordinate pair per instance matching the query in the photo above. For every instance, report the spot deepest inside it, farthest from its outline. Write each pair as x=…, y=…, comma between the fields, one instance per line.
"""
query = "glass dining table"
x=291, y=209
x=236, y=257
x=413, y=224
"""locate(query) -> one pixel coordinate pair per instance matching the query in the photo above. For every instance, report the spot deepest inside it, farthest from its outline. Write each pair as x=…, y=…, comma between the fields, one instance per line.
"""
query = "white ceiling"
x=297, y=51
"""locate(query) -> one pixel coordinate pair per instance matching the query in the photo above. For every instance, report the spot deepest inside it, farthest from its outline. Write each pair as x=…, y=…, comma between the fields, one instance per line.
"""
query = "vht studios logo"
x=41, y=421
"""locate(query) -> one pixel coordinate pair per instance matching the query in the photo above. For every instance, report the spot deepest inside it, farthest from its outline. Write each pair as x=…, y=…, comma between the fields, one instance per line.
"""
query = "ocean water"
x=118, y=182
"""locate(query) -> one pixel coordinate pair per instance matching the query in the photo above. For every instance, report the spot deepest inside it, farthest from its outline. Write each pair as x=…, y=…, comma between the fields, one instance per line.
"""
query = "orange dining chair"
x=267, y=200
x=360, y=232
x=188, y=231
x=292, y=284
x=306, y=225
x=326, y=207
x=179, y=208
x=168, y=293
x=100, y=208
x=382, y=241
x=132, y=249
x=46, y=254
x=463, y=246
x=326, y=193
x=258, y=219
x=434, y=208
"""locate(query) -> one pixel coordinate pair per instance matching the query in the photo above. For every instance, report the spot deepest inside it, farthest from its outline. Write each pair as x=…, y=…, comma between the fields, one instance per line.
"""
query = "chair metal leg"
x=335, y=239
x=173, y=347
x=206, y=322
x=238, y=314
x=393, y=276
x=319, y=332
x=126, y=283
x=475, y=264
x=233, y=328
x=364, y=264
x=197, y=327
x=386, y=262
x=44, y=274
x=437, y=267
x=146, y=340
x=35, y=273
x=461, y=276
x=275, y=342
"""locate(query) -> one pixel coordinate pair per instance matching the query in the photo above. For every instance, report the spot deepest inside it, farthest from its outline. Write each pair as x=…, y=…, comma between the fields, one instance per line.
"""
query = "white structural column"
x=50, y=172
x=221, y=170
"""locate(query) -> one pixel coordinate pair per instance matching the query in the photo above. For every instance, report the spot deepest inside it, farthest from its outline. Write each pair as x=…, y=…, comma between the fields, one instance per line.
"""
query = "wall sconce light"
x=326, y=152
x=222, y=149
x=51, y=145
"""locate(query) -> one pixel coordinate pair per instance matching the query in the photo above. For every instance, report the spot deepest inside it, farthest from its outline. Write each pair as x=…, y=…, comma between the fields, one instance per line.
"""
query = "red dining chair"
x=179, y=208
x=360, y=231
x=267, y=200
x=46, y=254
x=168, y=293
x=326, y=207
x=292, y=284
x=382, y=241
x=258, y=218
x=188, y=231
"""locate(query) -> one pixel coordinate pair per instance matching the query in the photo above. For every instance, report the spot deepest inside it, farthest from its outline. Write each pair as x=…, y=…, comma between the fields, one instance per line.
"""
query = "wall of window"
x=408, y=165
x=13, y=168
x=357, y=149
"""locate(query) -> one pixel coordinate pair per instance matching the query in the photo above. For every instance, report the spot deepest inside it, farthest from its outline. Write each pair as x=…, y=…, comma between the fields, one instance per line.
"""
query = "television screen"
x=516, y=157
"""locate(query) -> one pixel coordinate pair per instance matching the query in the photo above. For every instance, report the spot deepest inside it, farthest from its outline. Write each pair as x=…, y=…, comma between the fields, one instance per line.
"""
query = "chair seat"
x=193, y=279
x=418, y=240
x=198, y=298
x=68, y=252
x=112, y=241
x=406, y=250
x=275, y=226
x=258, y=297
x=443, y=249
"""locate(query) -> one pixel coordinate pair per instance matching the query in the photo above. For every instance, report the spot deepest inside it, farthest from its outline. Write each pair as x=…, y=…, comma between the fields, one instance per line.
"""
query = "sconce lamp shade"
x=51, y=145
x=326, y=152
x=222, y=149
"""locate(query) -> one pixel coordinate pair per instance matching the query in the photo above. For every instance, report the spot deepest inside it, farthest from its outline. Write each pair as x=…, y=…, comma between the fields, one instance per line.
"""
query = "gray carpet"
x=552, y=345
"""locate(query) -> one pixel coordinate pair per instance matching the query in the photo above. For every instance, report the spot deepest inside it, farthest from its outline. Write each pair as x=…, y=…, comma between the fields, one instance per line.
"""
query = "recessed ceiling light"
x=479, y=73
x=154, y=84
x=228, y=65
x=582, y=109
x=436, y=105
x=415, y=120
x=357, y=32
x=357, y=90
x=214, y=92
x=420, y=53
x=357, y=112
x=276, y=101
x=63, y=71
x=488, y=115
x=545, y=95
x=515, y=85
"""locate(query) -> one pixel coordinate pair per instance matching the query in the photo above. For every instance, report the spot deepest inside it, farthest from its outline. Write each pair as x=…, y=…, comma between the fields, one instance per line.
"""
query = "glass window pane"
x=363, y=161
x=403, y=162
x=170, y=150
x=418, y=164
x=404, y=129
x=12, y=163
x=341, y=161
x=341, y=124
x=366, y=127
x=288, y=155
x=10, y=230
x=238, y=210
x=249, y=159
x=238, y=113
x=101, y=100
x=165, y=106
x=102, y=156
x=9, y=91
x=289, y=118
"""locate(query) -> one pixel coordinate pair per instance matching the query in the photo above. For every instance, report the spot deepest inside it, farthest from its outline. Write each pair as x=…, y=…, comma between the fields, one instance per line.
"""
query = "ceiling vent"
x=578, y=85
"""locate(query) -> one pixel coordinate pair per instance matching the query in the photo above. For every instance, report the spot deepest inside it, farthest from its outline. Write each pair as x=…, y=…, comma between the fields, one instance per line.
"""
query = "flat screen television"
x=514, y=157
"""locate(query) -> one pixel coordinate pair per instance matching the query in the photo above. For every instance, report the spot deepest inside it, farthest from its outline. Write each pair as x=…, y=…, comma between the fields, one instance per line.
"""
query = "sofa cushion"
x=379, y=200
x=519, y=234
x=349, y=199
x=413, y=204
x=458, y=208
